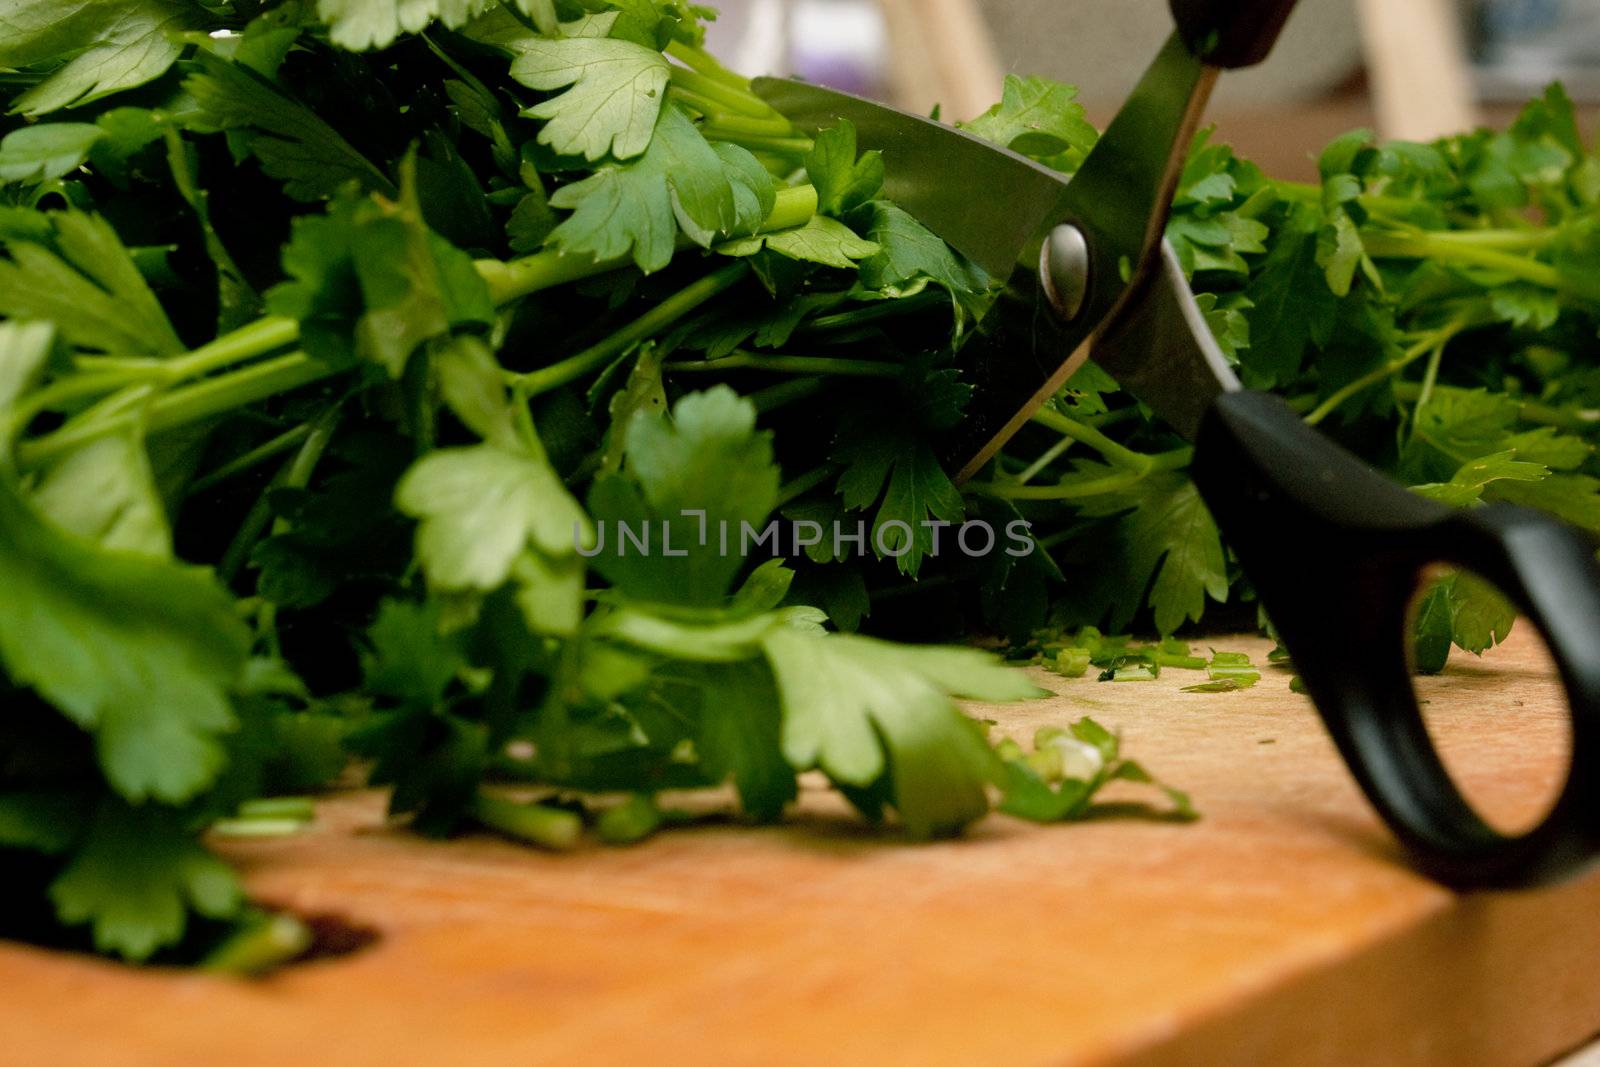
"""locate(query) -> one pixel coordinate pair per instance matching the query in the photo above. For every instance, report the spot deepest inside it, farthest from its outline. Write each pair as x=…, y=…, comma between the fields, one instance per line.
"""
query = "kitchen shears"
x=1087, y=272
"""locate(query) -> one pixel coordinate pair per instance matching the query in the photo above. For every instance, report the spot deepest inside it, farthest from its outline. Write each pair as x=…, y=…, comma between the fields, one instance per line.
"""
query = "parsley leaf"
x=140, y=650
x=862, y=709
x=843, y=181
x=41, y=821
x=680, y=180
x=293, y=144
x=909, y=257
x=738, y=737
x=1037, y=117
x=822, y=240
x=369, y=279
x=707, y=460
x=109, y=46
x=1470, y=481
x=897, y=470
x=135, y=877
x=488, y=515
x=362, y=24
x=1166, y=542
x=50, y=150
x=343, y=532
x=134, y=647
x=1067, y=769
x=105, y=492
x=1292, y=307
x=408, y=662
x=82, y=279
x=432, y=757
x=615, y=95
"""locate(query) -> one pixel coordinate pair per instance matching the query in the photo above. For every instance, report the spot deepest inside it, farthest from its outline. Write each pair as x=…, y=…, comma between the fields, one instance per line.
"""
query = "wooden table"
x=1281, y=929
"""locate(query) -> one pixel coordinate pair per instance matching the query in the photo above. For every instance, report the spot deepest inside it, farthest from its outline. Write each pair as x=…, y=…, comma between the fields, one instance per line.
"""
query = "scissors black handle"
x=1336, y=552
x=1231, y=33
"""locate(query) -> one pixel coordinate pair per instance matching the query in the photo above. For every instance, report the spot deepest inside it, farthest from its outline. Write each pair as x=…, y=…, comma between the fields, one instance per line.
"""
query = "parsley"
x=616, y=91
x=42, y=153
x=1038, y=117
x=325, y=435
x=294, y=145
x=680, y=181
x=487, y=514
x=1060, y=779
x=362, y=24
x=112, y=47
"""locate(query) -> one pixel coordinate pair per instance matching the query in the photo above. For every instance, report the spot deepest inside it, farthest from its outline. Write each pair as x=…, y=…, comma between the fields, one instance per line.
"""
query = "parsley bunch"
x=340, y=340
x=333, y=338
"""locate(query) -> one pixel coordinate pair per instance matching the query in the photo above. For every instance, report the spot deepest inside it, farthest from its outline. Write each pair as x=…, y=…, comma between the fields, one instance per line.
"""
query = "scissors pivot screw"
x=1064, y=270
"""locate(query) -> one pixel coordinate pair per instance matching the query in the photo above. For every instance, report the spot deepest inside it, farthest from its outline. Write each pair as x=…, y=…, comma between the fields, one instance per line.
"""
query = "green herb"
x=1060, y=779
x=323, y=436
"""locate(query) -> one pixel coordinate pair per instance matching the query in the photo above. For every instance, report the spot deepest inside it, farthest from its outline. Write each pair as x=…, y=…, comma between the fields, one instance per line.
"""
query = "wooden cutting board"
x=1280, y=929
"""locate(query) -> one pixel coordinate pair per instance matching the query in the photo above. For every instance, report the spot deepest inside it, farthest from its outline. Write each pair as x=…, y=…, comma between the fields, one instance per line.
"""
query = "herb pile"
x=340, y=341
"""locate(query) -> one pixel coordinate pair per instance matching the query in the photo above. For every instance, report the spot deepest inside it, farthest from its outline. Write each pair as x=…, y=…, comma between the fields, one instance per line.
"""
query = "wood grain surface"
x=1280, y=929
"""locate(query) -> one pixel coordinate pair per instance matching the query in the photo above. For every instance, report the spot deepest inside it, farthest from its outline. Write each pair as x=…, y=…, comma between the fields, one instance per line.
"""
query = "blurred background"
x=1412, y=69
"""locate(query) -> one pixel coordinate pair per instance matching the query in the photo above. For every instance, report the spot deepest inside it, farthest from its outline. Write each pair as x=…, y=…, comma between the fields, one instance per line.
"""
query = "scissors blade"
x=984, y=201
x=998, y=208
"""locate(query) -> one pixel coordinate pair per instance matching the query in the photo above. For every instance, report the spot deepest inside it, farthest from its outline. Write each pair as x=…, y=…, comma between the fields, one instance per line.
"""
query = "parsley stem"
x=295, y=474
x=881, y=309
x=790, y=146
x=703, y=62
x=257, y=338
x=1050, y=455
x=190, y=404
x=737, y=101
x=696, y=102
x=1578, y=420
x=1430, y=377
x=1504, y=240
x=1434, y=340
x=1077, y=431
x=745, y=126
x=247, y=828
x=631, y=821
x=303, y=809
x=1121, y=479
x=512, y=279
x=61, y=393
x=260, y=381
x=1111, y=483
x=1428, y=246
x=260, y=945
x=783, y=394
x=805, y=483
x=133, y=397
x=645, y=326
x=1312, y=193
x=255, y=457
x=743, y=360
x=145, y=366
x=794, y=207
x=537, y=824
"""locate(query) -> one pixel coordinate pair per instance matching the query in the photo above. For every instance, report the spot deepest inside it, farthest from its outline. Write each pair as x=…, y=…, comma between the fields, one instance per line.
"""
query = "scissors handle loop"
x=1336, y=553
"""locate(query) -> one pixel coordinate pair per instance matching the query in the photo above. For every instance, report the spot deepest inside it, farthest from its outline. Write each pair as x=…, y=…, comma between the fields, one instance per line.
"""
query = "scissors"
x=1088, y=272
